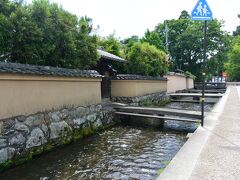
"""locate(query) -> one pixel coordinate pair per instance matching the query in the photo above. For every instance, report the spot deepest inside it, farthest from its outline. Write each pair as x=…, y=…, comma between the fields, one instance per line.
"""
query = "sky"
x=133, y=17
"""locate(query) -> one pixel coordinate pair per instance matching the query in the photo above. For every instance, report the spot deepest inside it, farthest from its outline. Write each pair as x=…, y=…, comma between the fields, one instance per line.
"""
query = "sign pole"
x=203, y=12
x=203, y=71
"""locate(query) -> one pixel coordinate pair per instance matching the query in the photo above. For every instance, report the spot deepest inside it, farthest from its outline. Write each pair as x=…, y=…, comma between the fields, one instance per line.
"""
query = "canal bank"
x=212, y=152
x=118, y=152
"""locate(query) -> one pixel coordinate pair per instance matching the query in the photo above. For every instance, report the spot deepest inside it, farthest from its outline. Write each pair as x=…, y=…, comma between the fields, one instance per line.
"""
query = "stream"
x=121, y=152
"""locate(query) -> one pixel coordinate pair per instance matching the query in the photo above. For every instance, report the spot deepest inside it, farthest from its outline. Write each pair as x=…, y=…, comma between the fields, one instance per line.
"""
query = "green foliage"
x=154, y=39
x=237, y=32
x=5, y=165
x=146, y=59
x=128, y=42
x=186, y=44
x=233, y=64
x=190, y=74
x=146, y=103
x=150, y=103
x=111, y=44
x=43, y=33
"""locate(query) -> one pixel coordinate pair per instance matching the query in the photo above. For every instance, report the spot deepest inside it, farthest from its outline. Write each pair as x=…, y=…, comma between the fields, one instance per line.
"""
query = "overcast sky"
x=133, y=17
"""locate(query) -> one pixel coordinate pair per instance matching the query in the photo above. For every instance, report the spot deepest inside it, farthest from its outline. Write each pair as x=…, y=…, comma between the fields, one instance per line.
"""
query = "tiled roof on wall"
x=176, y=74
x=110, y=56
x=17, y=68
x=136, y=77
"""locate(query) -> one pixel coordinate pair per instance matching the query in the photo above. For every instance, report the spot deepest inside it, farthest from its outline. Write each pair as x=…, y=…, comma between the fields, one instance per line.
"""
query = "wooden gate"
x=106, y=87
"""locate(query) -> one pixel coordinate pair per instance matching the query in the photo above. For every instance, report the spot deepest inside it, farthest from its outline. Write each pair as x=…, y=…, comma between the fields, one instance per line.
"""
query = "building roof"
x=17, y=68
x=137, y=77
x=109, y=56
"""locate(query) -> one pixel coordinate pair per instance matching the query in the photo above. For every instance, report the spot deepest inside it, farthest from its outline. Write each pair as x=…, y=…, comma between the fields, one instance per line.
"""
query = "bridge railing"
x=210, y=85
x=233, y=83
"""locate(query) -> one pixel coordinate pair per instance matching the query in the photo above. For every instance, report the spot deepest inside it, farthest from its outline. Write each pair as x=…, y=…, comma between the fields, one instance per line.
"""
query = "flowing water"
x=121, y=152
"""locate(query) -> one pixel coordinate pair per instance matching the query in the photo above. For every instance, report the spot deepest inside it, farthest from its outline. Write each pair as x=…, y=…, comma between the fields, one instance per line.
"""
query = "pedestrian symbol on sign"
x=202, y=11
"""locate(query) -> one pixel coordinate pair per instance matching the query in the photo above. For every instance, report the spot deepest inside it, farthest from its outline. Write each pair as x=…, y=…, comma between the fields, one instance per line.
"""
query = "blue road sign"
x=202, y=11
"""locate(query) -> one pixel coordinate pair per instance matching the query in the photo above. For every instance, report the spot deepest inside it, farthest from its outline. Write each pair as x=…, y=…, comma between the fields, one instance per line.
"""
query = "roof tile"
x=17, y=68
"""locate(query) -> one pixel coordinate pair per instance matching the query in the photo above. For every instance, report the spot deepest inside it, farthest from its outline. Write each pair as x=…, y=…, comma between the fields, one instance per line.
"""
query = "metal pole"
x=166, y=31
x=203, y=71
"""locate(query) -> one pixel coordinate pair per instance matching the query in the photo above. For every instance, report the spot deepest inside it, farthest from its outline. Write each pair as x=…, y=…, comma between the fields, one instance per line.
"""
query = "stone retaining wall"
x=159, y=98
x=25, y=136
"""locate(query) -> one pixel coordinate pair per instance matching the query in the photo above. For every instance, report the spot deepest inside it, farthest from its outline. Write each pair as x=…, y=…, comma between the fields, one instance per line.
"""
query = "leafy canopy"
x=233, y=64
x=43, y=33
x=146, y=59
x=185, y=43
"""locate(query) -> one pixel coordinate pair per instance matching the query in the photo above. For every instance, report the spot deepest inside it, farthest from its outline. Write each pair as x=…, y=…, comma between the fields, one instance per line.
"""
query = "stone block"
x=6, y=154
x=92, y=117
x=36, y=138
x=59, y=129
x=35, y=120
x=54, y=116
x=21, y=127
x=3, y=142
x=79, y=121
x=17, y=139
x=80, y=111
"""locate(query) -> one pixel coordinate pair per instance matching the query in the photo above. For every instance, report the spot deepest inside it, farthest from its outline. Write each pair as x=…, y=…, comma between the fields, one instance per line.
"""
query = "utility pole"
x=166, y=33
x=203, y=71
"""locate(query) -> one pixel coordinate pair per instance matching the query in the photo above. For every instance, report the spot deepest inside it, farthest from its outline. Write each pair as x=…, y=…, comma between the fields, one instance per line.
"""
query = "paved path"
x=213, y=152
x=220, y=157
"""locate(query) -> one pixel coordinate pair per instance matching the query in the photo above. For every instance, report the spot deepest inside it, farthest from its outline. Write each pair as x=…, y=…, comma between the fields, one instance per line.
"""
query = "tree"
x=154, y=39
x=43, y=33
x=184, y=15
x=86, y=53
x=186, y=43
x=6, y=9
x=146, y=59
x=237, y=32
x=111, y=44
x=233, y=64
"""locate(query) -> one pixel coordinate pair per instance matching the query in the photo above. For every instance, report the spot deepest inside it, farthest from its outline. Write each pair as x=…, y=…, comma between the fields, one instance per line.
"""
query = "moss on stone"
x=66, y=141
x=48, y=147
x=6, y=165
x=76, y=135
x=87, y=131
x=23, y=158
x=37, y=151
x=150, y=103
x=163, y=102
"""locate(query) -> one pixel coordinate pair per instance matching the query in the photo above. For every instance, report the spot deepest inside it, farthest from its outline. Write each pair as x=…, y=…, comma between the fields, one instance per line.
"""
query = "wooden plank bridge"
x=207, y=95
x=168, y=113
x=213, y=91
x=192, y=101
x=210, y=85
x=159, y=113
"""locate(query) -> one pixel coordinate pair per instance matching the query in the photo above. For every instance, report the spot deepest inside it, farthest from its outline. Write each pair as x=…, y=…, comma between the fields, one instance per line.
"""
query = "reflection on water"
x=122, y=152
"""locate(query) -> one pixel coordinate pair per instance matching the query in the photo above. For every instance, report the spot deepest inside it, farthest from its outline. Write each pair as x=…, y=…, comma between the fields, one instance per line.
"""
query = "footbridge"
x=159, y=113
